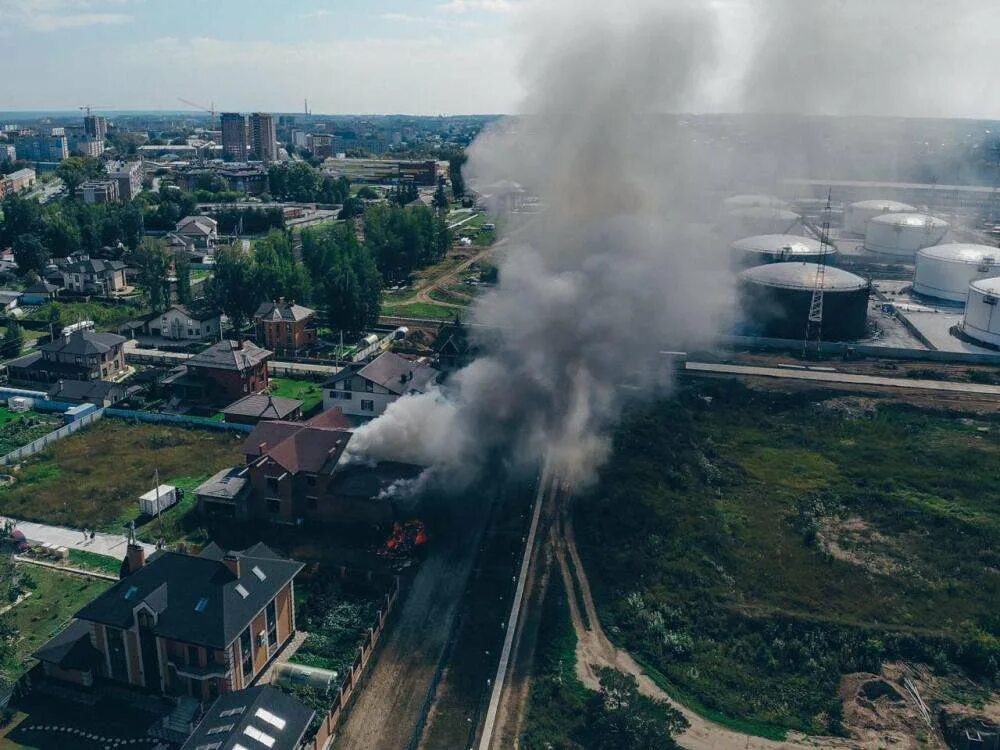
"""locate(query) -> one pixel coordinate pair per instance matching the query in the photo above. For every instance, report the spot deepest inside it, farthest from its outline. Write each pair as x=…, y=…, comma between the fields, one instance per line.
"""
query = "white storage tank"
x=753, y=201
x=744, y=222
x=904, y=234
x=857, y=215
x=19, y=404
x=982, y=312
x=779, y=248
x=945, y=271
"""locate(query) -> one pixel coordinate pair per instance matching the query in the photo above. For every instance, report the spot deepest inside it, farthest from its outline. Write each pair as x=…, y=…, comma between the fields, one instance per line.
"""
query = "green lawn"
x=424, y=310
x=309, y=392
x=79, y=558
x=754, y=548
x=93, y=478
x=55, y=597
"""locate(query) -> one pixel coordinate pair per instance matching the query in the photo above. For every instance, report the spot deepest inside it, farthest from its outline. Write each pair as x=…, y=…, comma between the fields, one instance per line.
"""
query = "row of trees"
x=302, y=183
x=403, y=240
x=37, y=233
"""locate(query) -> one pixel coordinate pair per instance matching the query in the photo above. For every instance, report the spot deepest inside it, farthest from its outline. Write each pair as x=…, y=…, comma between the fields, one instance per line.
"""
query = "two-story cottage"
x=367, y=391
x=81, y=355
x=294, y=473
x=200, y=231
x=180, y=624
x=284, y=327
x=184, y=323
x=94, y=276
x=222, y=373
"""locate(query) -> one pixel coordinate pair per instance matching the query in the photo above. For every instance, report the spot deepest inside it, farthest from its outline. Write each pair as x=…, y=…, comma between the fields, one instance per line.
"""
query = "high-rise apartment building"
x=263, y=136
x=234, y=136
x=96, y=127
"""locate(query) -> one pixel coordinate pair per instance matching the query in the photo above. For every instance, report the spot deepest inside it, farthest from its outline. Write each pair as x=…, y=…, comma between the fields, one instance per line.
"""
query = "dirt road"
x=390, y=702
x=594, y=651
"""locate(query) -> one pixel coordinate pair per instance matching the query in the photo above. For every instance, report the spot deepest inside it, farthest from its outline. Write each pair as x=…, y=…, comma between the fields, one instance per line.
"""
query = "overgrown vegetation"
x=309, y=392
x=17, y=430
x=769, y=544
x=336, y=615
x=94, y=477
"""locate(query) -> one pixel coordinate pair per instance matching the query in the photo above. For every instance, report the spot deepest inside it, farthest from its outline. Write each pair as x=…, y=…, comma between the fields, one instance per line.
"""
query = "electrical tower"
x=814, y=321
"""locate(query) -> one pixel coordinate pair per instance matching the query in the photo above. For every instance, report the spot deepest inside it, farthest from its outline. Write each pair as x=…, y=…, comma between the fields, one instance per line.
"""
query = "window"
x=272, y=484
x=261, y=737
x=311, y=480
x=116, y=653
x=367, y=405
x=202, y=603
x=246, y=652
x=312, y=502
x=241, y=590
x=145, y=618
x=192, y=655
x=274, y=720
x=261, y=576
x=273, y=505
x=369, y=387
x=272, y=624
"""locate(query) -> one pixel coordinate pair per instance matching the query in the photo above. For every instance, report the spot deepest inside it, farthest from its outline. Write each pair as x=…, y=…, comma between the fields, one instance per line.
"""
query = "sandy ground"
x=389, y=703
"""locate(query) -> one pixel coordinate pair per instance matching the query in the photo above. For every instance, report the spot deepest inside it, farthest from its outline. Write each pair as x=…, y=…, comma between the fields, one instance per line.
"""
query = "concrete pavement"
x=111, y=545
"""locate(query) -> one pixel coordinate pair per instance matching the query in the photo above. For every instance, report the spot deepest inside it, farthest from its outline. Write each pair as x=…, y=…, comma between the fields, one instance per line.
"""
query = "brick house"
x=180, y=624
x=222, y=373
x=285, y=327
x=94, y=276
x=82, y=355
x=294, y=474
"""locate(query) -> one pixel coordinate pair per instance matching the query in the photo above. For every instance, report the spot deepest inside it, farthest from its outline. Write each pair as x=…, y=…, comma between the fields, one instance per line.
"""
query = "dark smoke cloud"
x=621, y=260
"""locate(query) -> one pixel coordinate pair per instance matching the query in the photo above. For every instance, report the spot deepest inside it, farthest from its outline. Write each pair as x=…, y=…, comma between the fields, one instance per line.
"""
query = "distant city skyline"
x=422, y=57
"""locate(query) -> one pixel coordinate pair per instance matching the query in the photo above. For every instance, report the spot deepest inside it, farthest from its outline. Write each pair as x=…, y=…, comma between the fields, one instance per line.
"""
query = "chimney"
x=135, y=557
x=232, y=561
x=262, y=448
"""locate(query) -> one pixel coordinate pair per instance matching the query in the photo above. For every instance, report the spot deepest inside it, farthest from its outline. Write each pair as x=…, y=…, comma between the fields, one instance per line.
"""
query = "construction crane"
x=210, y=109
x=87, y=107
x=814, y=322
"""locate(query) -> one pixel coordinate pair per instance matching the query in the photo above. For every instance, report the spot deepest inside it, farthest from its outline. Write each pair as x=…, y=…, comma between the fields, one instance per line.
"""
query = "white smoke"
x=620, y=261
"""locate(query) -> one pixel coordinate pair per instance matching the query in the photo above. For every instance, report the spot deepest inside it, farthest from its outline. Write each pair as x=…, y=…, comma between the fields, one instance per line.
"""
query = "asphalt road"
x=843, y=378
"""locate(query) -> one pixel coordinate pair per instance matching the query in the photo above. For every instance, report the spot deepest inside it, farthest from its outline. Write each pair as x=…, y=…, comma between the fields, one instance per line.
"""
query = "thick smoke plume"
x=619, y=260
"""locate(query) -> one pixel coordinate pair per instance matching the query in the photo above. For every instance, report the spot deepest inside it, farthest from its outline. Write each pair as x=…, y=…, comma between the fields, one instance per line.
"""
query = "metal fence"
x=178, y=419
x=36, y=446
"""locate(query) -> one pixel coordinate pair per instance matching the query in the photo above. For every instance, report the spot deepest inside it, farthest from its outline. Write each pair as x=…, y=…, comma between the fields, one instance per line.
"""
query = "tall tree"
x=78, y=169
x=30, y=254
x=620, y=716
x=20, y=216
x=440, y=200
x=232, y=287
x=153, y=262
x=455, y=164
x=182, y=270
x=13, y=339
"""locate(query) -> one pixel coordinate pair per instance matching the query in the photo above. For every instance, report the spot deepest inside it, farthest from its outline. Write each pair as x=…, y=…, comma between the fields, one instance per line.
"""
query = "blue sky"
x=346, y=56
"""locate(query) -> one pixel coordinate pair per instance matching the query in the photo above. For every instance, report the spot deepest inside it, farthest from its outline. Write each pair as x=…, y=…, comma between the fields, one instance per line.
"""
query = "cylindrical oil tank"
x=755, y=220
x=982, y=312
x=857, y=215
x=904, y=234
x=753, y=201
x=776, y=299
x=945, y=271
x=781, y=248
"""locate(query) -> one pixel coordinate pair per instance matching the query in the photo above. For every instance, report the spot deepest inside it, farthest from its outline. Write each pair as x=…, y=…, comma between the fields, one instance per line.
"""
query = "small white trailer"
x=158, y=500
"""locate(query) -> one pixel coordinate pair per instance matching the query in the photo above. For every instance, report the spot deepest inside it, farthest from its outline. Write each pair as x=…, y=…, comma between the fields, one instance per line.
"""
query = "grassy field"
x=55, y=598
x=93, y=478
x=424, y=310
x=79, y=558
x=17, y=430
x=309, y=392
x=106, y=316
x=770, y=544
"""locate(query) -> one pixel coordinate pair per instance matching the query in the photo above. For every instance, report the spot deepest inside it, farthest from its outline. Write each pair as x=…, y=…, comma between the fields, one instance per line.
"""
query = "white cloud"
x=484, y=6
x=56, y=15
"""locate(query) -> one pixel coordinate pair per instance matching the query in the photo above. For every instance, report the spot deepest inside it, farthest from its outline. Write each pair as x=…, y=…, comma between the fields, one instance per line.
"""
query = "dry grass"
x=93, y=479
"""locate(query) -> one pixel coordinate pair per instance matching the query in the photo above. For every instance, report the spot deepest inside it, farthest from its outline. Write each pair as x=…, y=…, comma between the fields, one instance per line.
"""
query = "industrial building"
x=904, y=234
x=945, y=271
x=982, y=312
x=857, y=215
x=780, y=248
x=776, y=299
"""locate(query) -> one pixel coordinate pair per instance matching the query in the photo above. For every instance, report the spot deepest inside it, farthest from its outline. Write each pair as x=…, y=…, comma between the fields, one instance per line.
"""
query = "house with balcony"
x=222, y=373
x=179, y=624
x=367, y=390
x=296, y=472
x=94, y=276
x=284, y=327
x=80, y=355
